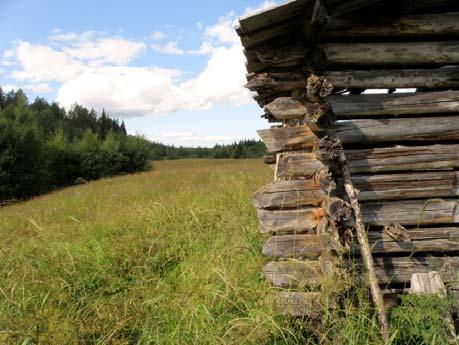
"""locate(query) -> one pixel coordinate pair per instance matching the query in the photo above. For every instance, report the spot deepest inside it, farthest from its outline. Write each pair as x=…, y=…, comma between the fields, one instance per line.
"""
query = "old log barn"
x=375, y=82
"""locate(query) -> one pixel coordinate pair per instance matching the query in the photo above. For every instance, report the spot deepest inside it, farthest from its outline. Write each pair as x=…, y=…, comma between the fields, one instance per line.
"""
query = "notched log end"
x=317, y=88
x=327, y=149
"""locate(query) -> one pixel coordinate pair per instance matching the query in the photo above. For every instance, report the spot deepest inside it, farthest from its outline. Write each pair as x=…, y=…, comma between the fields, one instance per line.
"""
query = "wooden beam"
x=303, y=220
x=411, y=185
x=364, y=132
x=293, y=246
x=433, y=78
x=387, y=54
x=338, y=7
x=408, y=212
x=391, y=159
x=389, y=270
x=368, y=26
x=355, y=106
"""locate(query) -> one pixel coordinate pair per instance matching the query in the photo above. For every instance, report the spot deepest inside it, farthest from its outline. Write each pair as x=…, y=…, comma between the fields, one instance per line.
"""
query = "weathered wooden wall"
x=313, y=65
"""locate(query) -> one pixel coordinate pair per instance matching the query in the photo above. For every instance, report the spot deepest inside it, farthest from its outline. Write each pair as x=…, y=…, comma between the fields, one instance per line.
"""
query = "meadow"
x=170, y=256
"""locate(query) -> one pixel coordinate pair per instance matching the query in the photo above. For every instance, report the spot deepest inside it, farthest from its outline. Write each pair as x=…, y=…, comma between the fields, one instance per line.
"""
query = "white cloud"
x=168, y=48
x=158, y=36
x=9, y=87
x=38, y=88
x=263, y=6
x=94, y=70
x=107, y=50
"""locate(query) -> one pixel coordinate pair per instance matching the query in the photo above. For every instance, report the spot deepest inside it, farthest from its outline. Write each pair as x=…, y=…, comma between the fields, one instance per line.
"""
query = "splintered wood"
x=327, y=71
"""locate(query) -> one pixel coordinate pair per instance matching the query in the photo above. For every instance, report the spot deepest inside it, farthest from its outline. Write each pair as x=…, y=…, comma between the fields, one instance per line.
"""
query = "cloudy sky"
x=173, y=70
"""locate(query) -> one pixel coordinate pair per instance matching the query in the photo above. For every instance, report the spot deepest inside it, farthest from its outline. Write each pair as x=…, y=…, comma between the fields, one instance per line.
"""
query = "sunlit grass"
x=171, y=256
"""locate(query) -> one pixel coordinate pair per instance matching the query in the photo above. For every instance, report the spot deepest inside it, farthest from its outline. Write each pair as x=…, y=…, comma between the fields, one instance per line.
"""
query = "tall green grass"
x=171, y=256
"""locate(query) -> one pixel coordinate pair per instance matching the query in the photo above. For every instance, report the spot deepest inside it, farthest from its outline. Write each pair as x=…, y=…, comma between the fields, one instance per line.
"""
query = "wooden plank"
x=406, y=186
x=338, y=8
x=398, y=270
x=293, y=246
x=389, y=270
x=256, y=38
x=355, y=106
x=408, y=212
x=298, y=304
x=365, y=131
x=421, y=25
x=292, y=221
x=379, y=160
x=285, y=194
x=385, y=54
x=412, y=212
x=309, y=246
x=291, y=274
x=427, y=284
x=294, y=193
x=434, y=78
x=271, y=16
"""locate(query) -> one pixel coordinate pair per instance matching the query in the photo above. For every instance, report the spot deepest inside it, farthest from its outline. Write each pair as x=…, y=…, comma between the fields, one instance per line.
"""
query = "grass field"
x=170, y=256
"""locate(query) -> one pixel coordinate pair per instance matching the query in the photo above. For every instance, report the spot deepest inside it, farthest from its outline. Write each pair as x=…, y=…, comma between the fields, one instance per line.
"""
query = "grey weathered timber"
x=407, y=186
x=400, y=269
x=420, y=25
x=410, y=185
x=298, y=165
x=255, y=38
x=386, y=54
x=408, y=212
x=443, y=77
x=271, y=16
x=411, y=212
x=396, y=270
x=309, y=304
x=433, y=78
x=294, y=274
x=443, y=128
x=427, y=284
x=355, y=106
x=293, y=246
x=379, y=160
x=292, y=193
x=338, y=7
x=292, y=221
x=309, y=246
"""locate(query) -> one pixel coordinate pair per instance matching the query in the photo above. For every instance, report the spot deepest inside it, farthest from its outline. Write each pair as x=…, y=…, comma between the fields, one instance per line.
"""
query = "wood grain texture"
x=386, y=54
x=293, y=246
x=291, y=221
x=421, y=25
x=365, y=131
x=355, y=106
x=294, y=274
x=302, y=304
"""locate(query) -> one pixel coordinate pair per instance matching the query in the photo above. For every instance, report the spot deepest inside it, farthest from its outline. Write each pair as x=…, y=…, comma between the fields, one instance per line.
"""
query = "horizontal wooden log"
x=412, y=212
x=338, y=8
x=389, y=270
x=293, y=246
x=354, y=106
x=442, y=240
x=294, y=193
x=385, y=54
x=429, y=78
x=424, y=240
x=407, y=186
x=392, y=159
x=285, y=194
x=421, y=25
x=271, y=16
x=284, y=108
x=398, y=270
x=365, y=131
x=409, y=212
x=292, y=221
x=256, y=38
x=294, y=274
x=297, y=304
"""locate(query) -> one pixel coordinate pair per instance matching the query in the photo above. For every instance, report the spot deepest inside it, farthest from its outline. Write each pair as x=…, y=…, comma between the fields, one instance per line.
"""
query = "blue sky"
x=173, y=70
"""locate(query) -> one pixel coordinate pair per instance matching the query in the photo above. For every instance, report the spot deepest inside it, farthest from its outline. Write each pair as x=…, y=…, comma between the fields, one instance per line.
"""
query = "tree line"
x=44, y=147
